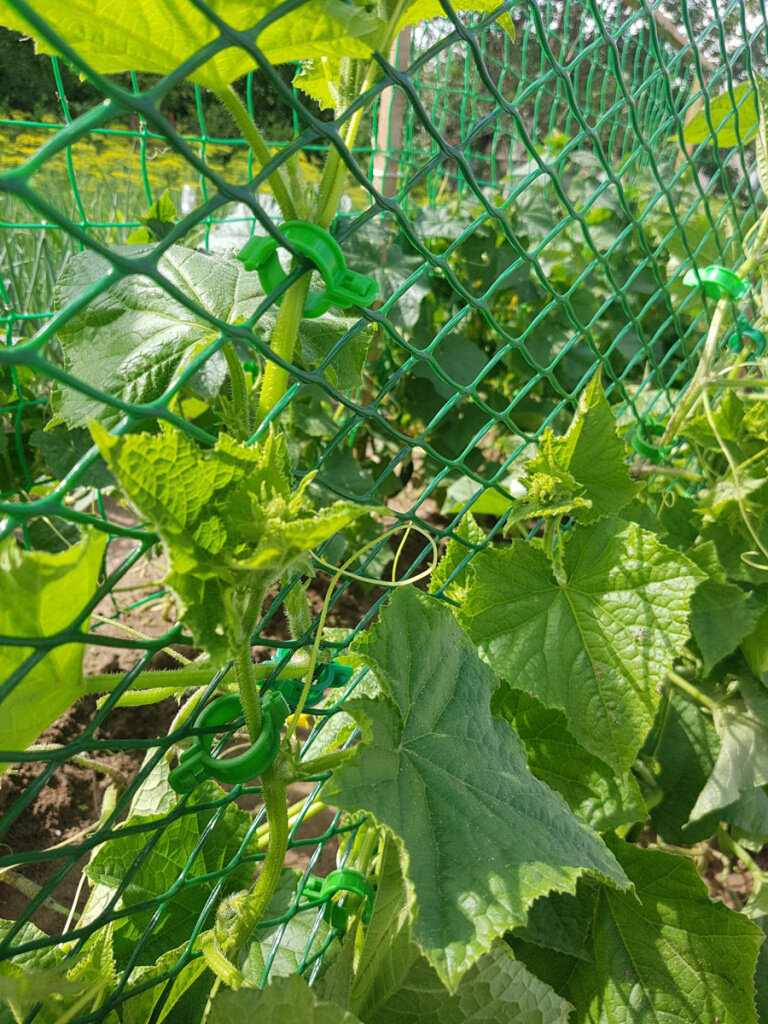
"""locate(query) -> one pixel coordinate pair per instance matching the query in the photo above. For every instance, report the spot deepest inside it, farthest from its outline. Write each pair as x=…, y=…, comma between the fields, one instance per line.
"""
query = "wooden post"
x=389, y=129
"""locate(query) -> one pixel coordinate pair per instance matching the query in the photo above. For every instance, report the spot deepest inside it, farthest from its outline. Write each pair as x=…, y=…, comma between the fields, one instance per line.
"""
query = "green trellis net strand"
x=528, y=214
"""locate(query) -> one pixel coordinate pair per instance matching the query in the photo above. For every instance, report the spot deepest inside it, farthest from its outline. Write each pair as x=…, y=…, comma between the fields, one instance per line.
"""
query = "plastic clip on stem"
x=347, y=880
x=643, y=443
x=343, y=287
x=198, y=763
x=330, y=676
x=717, y=283
x=745, y=334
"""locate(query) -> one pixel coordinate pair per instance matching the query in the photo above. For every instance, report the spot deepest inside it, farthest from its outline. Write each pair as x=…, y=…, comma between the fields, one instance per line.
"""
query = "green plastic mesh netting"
x=528, y=213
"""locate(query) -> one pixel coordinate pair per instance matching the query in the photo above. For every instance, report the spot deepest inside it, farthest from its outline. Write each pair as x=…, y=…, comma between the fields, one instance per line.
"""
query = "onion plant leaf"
x=43, y=593
x=594, y=643
x=447, y=778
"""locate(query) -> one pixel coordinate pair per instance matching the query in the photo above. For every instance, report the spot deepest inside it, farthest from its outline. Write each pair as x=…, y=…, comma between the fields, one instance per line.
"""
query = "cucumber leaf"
x=718, y=126
x=685, y=752
x=147, y=861
x=447, y=777
x=133, y=339
x=158, y=35
x=742, y=762
x=722, y=615
x=228, y=517
x=602, y=798
x=497, y=988
x=156, y=222
x=284, y=999
x=188, y=980
x=43, y=593
x=594, y=644
x=320, y=79
x=584, y=472
x=665, y=952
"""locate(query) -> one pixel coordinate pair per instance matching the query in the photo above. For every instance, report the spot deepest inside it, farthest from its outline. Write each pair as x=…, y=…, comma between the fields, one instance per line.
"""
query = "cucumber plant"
x=531, y=756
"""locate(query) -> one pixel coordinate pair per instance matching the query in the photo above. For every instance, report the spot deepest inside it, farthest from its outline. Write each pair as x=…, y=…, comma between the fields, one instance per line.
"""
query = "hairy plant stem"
x=255, y=140
x=335, y=172
x=173, y=680
x=283, y=341
x=85, y=762
x=237, y=380
x=320, y=765
x=249, y=698
x=650, y=469
x=251, y=907
x=700, y=380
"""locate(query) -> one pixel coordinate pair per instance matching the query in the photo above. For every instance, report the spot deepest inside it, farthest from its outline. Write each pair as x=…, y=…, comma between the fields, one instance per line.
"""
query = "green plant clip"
x=717, y=282
x=342, y=287
x=744, y=333
x=198, y=763
x=643, y=444
x=325, y=677
x=322, y=890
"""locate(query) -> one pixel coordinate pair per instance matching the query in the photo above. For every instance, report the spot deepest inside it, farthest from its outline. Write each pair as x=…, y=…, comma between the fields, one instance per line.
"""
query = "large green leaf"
x=585, y=471
x=742, y=763
x=42, y=594
x=594, y=644
x=387, y=951
x=42, y=984
x=722, y=615
x=448, y=778
x=150, y=858
x=392, y=982
x=133, y=339
x=497, y=988
x=228, y=517
x=754, y=647
x=284, y=999
x=414, y=11
x=665, y=953
x=187, y=982
x=718, y=124
x=159, y=35
x=601, y=797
